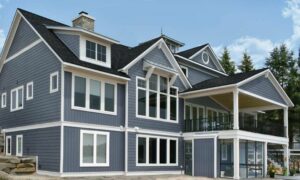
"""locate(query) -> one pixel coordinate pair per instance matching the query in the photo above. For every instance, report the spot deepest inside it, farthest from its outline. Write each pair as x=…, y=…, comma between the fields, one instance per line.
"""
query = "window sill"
x=157, y=119
x=94, y=165
x=14, y=110
x=94, y=111
x=160, y=165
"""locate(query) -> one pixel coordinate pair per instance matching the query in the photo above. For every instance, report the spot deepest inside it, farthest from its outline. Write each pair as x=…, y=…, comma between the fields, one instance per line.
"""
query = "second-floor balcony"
x=261, y=125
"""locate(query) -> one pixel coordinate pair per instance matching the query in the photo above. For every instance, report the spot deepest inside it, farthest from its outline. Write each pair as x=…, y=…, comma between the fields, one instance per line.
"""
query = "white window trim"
x=17, y=98
x=57, y=87
x=21, y=153
x=224, y=156
x=87, y=100
x=168, y=120
x=186, y=70
x=191, y=105
x=157, y=150
x=6, y=146
x=27, y=91
x=205, y=62
x=94, y=61
x=3, y=100
x=95, y=133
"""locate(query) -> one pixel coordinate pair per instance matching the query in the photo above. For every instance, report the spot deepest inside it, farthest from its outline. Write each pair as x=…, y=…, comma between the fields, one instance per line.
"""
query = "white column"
x=286, y=121
x=236, y=109
x=266, y=159
x=236, y=158
x=286, y=158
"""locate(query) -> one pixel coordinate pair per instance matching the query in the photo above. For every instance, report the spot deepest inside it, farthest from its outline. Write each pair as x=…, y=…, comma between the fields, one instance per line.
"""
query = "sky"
x=254, y=26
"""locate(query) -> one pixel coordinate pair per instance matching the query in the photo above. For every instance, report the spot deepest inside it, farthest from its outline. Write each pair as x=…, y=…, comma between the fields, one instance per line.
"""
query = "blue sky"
x=253, y=25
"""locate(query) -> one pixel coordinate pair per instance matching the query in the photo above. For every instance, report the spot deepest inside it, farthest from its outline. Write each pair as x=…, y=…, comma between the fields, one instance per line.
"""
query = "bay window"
x=156, y=100
x=153, y=151
x=94, y=148
x=93, y=95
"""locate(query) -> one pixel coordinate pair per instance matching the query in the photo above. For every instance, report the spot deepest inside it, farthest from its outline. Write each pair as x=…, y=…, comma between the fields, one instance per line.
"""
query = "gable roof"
x=39, y=23
x=189, y=52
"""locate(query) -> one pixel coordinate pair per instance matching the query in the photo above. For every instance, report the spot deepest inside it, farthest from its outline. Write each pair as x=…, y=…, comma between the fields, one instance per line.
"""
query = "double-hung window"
x=93, y=95
x=3, y=100
x=29, y=91
x=19, y=145
x=53, y=82
x=95, y=51
x=17, y=98
x=152, y=150
x=94, y=148
x=156, y=100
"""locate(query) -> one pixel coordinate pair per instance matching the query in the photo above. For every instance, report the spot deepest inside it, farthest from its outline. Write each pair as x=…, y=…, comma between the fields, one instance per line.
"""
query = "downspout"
x=126, y=129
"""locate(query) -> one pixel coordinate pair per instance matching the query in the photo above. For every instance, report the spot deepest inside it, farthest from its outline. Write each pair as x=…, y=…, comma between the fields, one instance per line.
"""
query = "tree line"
x=286, y=69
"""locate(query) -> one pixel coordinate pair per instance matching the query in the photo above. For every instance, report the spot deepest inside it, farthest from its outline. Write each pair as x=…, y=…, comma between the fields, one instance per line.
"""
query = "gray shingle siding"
x=23, y=37
x=157, y=56
x=211, y=64
x=34, y=65
x=71, y=41
x=204, y=157
x=262, y=86
x=72, y=152
x=92, y=117
x=44, y=143
x=132, y=157
x=137, y=70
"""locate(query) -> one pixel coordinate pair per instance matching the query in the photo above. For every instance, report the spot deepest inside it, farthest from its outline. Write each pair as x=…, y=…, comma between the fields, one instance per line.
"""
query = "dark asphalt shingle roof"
x=39, y=23
x=226, y=80
x=189, y=52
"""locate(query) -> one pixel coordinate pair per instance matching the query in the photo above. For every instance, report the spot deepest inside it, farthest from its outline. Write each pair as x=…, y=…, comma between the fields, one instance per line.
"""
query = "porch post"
x=236, y=158
x=287, y=158
x=235, y=109
x=286, y=121
x=266, y=159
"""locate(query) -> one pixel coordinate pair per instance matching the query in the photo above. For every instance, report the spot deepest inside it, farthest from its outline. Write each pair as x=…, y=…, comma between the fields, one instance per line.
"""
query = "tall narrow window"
x=173, y=104
x=95, y=97
x=17, y=98
x=3, y=100
x=94, y=148
x=90, y=49
x=80, y=92
x=109, y=97
x=152, y=150
x=163, y=97
x=173, y=152
x=163, y=151
x=8, y=145
x=153, y=96
x=142, y=150
x=19, y=145
x=101, y=53
x=29, y=91
x=54, y=82
x=141, y=97
x=224, y=152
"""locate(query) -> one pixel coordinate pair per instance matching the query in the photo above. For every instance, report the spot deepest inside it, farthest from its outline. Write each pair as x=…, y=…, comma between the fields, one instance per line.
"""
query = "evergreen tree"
x=246, y=64
x=226, y=62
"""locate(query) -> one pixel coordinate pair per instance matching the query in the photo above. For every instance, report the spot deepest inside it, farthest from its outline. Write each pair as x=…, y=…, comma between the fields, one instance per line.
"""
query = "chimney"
x=84, y=21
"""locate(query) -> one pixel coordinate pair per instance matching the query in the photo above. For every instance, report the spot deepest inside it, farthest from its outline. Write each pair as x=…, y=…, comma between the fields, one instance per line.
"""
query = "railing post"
x=235, y=109
x=286, y=121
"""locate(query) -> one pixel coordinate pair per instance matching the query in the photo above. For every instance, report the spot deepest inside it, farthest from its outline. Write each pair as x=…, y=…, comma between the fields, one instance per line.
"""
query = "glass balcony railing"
x=263, y=126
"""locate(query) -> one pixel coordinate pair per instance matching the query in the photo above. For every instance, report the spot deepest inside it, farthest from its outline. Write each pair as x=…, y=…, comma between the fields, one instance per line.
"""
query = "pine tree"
x=246, y=64
x=226, y=62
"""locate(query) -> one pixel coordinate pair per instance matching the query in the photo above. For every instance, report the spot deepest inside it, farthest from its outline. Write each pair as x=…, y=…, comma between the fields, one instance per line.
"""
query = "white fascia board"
x=74, y=29
x=10, y=36
x=206, y=67
x=198, y=52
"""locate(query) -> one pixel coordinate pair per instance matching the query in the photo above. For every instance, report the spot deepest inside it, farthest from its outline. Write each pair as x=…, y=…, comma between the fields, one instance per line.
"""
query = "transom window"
x=94, y=148
x=155, y=100
x=93, y=95
x=153, y=150
x=95, y=51
x=3, y=100
x=17, y=98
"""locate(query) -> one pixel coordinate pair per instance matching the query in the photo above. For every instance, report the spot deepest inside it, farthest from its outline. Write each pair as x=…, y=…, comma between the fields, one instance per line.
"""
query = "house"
x=86, y=105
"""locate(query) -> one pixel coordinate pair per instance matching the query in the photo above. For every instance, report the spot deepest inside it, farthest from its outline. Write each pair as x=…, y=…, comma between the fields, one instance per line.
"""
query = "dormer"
x=87, y=45
x=173, y=44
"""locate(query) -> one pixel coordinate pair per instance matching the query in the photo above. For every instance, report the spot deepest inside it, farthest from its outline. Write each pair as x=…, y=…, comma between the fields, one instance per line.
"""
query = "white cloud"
x=1, y=6
x=259, y=49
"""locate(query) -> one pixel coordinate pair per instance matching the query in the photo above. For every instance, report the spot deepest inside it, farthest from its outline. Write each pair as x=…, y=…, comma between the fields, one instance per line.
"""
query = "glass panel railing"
x=208, y=124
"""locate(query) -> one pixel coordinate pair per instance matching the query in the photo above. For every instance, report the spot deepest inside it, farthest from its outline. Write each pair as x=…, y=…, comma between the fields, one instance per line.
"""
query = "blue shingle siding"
x=262, y=86
x=23, y=37
x=72, y=152
x=71, y=41
x=34, y=65
x=137, y=70
x=211, y=64
x=195, y=76
x=132, y=156
x=157, y=56
x=204, y=157
x=44, y=143
x=92, y=117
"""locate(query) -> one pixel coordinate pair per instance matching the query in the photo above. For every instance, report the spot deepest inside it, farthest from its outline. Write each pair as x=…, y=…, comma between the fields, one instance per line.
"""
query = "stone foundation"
x=17, y=165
